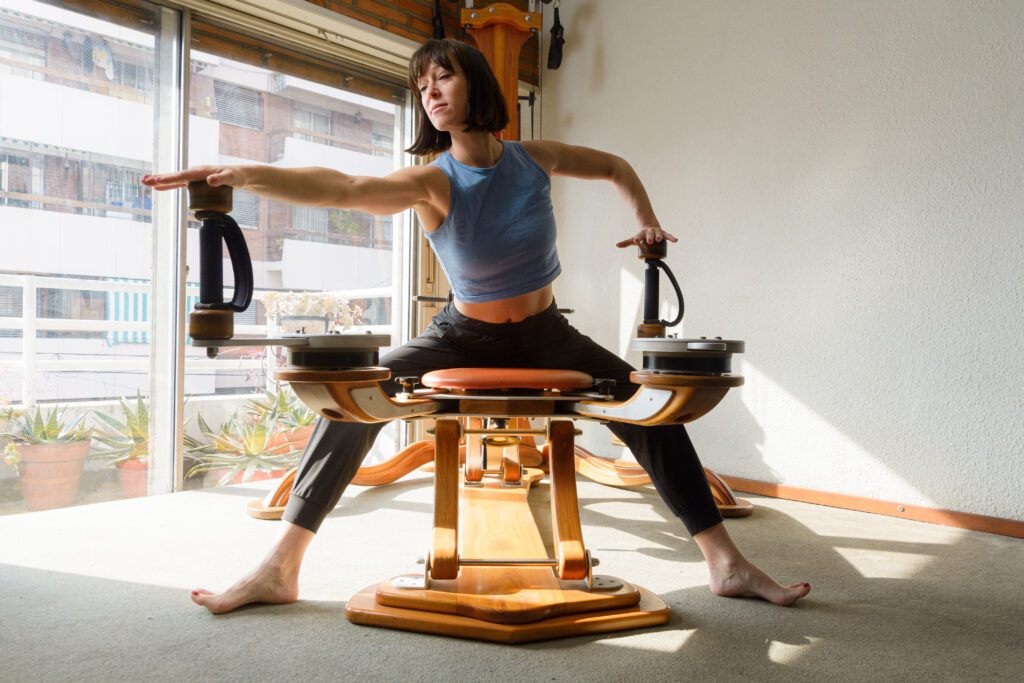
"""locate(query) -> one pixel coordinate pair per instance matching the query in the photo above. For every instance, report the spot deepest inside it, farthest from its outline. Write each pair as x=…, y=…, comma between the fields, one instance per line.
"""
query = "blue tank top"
x=498, y=240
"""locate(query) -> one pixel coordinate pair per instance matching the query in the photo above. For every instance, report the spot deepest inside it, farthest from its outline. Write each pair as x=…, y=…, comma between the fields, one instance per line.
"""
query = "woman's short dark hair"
x=485, y=105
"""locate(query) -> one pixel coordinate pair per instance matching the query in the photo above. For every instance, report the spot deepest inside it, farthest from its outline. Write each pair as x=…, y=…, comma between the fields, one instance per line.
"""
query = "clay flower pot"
x=50, y=473
x=134, y=476
x=290, y=440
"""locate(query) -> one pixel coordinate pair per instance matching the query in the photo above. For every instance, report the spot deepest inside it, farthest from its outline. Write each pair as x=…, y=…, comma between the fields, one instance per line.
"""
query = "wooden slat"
x=474, y=451
x=565, y=513
x=444, y=549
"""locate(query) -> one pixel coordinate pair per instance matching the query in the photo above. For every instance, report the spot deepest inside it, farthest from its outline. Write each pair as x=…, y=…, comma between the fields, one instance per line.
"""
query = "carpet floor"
x=101, y=593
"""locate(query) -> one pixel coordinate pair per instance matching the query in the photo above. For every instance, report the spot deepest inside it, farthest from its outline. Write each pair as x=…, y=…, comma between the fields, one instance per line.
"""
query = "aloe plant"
x=241, y=446
x=127, y=439
x=44, y=428
x=291, y=411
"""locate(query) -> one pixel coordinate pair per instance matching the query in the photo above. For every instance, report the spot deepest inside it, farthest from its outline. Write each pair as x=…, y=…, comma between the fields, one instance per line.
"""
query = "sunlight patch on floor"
x=659, y=641
x=788, y=653
x=631, y=510
x=885, y=564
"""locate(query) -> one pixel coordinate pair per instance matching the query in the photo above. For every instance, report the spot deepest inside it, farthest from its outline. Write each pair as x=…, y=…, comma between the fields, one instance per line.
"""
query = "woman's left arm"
x=583, y=162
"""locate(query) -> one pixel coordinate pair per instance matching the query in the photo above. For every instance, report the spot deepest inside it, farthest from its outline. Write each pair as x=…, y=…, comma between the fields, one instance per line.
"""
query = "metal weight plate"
x=703, y=356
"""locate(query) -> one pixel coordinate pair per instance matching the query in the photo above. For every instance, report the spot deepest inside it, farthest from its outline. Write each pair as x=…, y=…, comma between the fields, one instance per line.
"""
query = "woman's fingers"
x=648, y=235
x=170, y=181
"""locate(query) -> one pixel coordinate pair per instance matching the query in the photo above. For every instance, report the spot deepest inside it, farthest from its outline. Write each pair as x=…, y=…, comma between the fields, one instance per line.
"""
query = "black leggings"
x=546, y=340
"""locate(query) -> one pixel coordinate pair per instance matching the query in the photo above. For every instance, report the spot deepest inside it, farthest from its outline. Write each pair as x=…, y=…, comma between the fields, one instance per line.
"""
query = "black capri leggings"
x=546, y=340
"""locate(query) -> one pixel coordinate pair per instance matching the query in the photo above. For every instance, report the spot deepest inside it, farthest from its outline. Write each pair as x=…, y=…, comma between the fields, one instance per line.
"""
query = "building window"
x=311, y=124
x=237, y=105
x=246, y=208
x=132, y=75
x=383, y=143
x=15, y=179
x=311, y=219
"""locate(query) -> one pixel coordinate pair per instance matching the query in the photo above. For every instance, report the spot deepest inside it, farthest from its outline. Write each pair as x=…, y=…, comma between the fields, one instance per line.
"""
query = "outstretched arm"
x=401, y=190
x=591, y=164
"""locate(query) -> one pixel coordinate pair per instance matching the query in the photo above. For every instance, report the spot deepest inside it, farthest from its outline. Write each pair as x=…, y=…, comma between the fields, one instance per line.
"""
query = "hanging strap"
x=438, y=21
x=557, y=41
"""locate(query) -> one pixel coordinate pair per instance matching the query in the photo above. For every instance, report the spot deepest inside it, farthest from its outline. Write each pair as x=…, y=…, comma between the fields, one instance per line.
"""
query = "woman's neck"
x=478, y=149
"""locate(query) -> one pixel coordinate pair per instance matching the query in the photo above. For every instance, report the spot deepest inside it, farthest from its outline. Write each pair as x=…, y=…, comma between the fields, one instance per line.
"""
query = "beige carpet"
x=100, y=593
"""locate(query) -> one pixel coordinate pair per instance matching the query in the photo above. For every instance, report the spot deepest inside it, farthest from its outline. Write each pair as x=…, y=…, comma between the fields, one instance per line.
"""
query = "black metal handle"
x=679, y=294
x=653, y=254
x=218, y=227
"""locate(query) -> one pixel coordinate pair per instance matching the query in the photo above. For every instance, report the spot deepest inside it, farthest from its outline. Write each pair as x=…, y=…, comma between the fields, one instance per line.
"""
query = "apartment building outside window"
x=90, y=263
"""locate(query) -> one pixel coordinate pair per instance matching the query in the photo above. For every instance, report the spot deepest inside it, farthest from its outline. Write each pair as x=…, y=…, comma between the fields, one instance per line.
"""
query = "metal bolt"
x=901, y=508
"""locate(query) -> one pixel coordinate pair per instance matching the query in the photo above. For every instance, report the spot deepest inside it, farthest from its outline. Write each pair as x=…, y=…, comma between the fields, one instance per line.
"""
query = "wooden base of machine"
x=623, y=473
x=502, y=597
x=364, y=608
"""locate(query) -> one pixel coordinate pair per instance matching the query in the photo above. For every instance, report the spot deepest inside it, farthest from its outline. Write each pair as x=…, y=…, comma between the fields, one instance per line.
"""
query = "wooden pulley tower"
x=500, y=30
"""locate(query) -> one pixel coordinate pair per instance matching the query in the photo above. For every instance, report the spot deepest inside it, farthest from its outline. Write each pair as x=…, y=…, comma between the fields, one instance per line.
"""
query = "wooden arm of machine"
x=353, y=395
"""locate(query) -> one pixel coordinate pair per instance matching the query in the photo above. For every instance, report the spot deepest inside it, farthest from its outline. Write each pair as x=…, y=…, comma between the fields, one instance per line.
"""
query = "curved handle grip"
x=653, y=254
x=679, y=294
x=241, y=262
x=241, y=265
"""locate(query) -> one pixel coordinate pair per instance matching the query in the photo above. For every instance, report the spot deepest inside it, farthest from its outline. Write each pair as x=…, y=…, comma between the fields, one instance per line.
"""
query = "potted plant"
x=49, y=452
x=309, y=307
x=242, y=450
x=125, y=444
x=295, y=419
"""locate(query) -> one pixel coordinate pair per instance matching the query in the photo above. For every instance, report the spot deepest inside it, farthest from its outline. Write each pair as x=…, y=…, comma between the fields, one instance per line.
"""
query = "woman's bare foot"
x=275, y=580
x=743, y=578
x=265, y=584
x=734, y=575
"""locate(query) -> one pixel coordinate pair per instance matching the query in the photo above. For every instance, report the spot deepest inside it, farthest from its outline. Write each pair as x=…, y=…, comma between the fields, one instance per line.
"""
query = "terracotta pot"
x=134, y=476
x=50, y=473
x=298, y=438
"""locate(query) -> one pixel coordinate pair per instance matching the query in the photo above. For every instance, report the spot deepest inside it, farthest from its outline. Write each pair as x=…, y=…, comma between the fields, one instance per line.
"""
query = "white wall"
x=846, y=180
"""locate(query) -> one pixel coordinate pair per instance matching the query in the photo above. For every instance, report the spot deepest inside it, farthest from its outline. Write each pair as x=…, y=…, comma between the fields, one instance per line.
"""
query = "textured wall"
x=846, y=182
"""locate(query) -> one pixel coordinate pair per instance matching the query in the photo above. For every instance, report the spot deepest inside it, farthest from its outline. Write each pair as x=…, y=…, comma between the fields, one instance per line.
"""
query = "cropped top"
x=498, y=240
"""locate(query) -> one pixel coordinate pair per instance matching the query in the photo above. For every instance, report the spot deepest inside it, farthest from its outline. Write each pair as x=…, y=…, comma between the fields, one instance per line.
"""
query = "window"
x=15, y=179
x=237, y=105
x=311, y=124
x=246, y=208
x=89, y=98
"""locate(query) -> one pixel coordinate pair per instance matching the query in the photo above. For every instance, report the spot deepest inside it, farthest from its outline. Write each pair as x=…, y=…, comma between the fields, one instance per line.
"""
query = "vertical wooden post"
x=444, y=552
x=500, y=31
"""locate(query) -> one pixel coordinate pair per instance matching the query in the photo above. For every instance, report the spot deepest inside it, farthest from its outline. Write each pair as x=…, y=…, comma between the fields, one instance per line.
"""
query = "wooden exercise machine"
x=487, y=573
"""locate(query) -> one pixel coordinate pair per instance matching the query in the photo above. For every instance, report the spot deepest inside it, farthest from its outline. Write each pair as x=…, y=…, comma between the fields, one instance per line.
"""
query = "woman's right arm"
x=408, y=188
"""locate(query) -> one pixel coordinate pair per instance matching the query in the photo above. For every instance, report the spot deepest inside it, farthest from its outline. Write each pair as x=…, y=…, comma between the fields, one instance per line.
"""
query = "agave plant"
x=127, y=439
x=40, y=428
x=241, y=446
x=291, y=411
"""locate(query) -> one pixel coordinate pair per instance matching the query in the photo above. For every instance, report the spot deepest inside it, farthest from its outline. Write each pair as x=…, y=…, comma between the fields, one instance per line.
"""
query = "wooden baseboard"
x=962, y=520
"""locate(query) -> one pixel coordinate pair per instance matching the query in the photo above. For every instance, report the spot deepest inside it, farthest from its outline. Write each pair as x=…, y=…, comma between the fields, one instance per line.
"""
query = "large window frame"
x=288, y=24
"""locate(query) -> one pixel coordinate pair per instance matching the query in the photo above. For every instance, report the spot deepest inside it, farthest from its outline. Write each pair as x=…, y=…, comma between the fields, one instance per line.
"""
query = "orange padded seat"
x=506, y=378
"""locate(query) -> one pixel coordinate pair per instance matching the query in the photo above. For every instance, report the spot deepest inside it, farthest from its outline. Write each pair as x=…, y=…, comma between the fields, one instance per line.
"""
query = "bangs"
x=433, y=51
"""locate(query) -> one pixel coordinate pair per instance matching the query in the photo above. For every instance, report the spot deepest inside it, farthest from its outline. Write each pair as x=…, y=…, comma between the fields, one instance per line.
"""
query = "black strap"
x=557, y=41
x=438, y=21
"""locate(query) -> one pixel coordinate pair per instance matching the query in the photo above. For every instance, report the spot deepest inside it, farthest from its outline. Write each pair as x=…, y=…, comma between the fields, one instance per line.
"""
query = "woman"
x=485, y=207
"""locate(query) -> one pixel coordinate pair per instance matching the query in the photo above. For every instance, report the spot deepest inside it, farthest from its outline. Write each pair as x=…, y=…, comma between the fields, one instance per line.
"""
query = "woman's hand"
x=232, y=176
x=649, y=234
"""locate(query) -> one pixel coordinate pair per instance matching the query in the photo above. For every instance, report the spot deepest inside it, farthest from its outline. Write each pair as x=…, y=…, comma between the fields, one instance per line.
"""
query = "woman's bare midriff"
x=508, y=310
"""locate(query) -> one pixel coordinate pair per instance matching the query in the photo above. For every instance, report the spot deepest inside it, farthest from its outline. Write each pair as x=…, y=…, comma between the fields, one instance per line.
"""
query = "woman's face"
x=443, y=94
